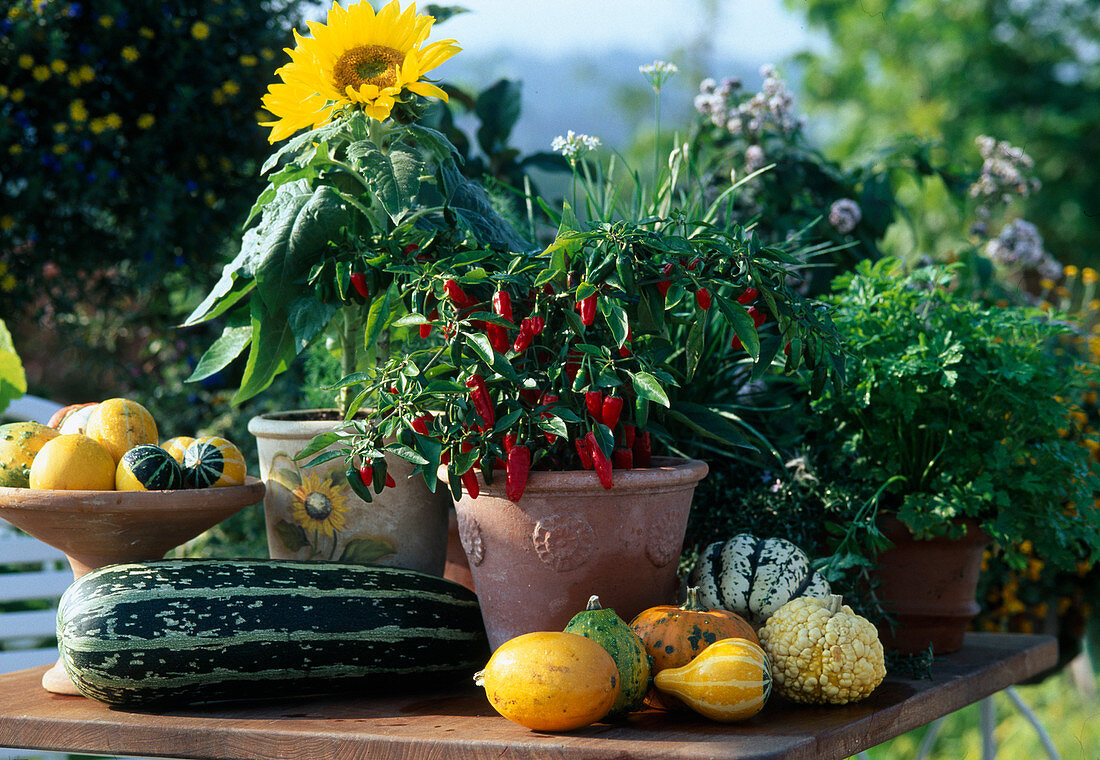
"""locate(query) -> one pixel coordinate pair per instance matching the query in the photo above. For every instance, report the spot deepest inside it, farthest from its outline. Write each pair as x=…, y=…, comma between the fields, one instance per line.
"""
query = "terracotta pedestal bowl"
x=97, y=528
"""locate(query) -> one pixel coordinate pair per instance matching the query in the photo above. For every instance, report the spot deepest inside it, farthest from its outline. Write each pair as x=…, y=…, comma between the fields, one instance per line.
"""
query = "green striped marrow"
x=146, y=467
x=754, y=577
x=213, y=462
x=191, y=631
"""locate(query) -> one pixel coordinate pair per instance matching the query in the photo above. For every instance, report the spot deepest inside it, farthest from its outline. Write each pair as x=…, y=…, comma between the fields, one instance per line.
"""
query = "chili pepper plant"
x=562, y=358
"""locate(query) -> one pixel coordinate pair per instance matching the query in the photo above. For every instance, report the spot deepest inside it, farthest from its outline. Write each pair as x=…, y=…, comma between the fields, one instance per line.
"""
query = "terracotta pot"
x=536, y=563
x=312, y=513
x=929, y=586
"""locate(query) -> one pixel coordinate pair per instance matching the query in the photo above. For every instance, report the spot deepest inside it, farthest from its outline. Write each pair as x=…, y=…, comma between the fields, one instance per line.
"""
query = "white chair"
x=30, y=571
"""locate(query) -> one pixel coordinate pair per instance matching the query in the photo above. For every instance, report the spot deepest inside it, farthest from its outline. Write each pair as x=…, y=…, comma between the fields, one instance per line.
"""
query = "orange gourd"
x=674, y=636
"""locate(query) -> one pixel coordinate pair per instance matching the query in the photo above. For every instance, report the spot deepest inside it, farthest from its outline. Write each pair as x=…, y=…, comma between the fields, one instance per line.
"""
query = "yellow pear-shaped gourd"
x=728, y=681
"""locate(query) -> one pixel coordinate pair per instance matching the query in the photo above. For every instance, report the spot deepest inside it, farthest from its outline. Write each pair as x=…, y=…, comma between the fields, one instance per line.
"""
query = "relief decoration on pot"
x=469, y=534
x=662, y=544
x=564, y=542
x=315, y=505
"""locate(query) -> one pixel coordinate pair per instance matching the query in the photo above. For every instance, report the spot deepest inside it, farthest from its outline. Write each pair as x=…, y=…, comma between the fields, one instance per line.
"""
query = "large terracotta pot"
x=929, y=586
x=536, y=563
x=312, y=513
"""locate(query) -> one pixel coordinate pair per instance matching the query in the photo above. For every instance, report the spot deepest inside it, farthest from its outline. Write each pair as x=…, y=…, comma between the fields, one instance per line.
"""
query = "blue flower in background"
x=5, y=26
x=75, y=10
x=114, y=174
x=22, y=120
x=191, y=186
x=84, y=48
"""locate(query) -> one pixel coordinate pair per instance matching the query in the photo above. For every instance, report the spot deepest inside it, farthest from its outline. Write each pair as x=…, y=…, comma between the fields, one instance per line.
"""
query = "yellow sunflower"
x=359, y=58
x=319, y=505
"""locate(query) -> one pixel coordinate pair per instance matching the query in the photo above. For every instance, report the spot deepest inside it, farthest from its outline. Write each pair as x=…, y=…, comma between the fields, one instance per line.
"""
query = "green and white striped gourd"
x=754, y=577
x=146, y=467
x=191, y=631
x=213, y=462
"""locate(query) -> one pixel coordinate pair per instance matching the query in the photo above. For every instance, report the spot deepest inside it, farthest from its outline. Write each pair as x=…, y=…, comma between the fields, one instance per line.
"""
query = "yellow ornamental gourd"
x=728, y=681
x=550, y=681
x=822, y=652
x=120, y=424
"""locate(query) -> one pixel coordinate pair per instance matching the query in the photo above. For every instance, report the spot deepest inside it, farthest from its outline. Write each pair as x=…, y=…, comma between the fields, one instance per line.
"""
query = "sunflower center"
x=367, y=64
x=318, y=506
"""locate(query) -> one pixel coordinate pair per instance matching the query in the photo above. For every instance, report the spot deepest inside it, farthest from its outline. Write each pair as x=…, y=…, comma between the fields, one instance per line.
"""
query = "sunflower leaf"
x=394, y=177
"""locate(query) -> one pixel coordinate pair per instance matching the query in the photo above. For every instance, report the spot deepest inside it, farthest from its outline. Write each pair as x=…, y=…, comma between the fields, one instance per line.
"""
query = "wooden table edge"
x=114, y=732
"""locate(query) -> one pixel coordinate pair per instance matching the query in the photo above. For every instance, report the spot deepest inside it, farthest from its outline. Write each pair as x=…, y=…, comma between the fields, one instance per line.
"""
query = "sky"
x=759, y=29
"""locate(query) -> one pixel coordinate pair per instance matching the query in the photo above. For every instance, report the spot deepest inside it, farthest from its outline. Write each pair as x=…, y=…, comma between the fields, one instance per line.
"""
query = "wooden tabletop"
x=459, y=724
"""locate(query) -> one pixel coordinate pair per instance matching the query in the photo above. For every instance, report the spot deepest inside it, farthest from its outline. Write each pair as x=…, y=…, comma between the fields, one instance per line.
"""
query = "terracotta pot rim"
x=667, y=474
x=889, y=523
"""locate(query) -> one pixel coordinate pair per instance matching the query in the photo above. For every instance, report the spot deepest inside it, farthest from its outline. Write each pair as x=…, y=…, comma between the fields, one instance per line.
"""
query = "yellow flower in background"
x=1089, y=275
x=61, y=128
x=17, y=95
x=229, y=87
x=77, y=111
x=249, y=60
x=59, y=66
x=130, y=53
x=358, y=58
x=200, y=30
x=87, y=73
x=268, y=54
x=106, y=22
x=4, y=90
x=60, y=149
x=7, y=222
x=40, y=73
x=147, y=33
x=114, y=121
x=146, y=120
x=97, y=126
x=15, y=150
x=319, y=505
x=26, y=61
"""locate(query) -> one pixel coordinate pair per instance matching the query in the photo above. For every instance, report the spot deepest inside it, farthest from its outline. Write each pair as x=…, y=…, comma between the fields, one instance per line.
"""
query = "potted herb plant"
x=352, y=203
x=956, y=411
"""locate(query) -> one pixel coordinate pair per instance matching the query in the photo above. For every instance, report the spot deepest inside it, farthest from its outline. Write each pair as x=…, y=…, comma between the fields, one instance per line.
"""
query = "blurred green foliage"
x=1025, y=72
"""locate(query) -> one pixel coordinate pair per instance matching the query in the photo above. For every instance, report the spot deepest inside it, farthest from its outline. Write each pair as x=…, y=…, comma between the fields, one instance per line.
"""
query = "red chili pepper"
x=524, y=337
x=588, y=310
x=410, y=248
x=502, y=304
x=518, y=469
x=538, y=324
x=758, y=317
x=665, y=284
x=457, y=295
x=593, y=400
x=425, y=327
x=612, y=407
x=390, y=482
x=736, y=342
x=600, y=461
x=622, y=459
x=483, y=404
x=747, y=297
x=583, y=452
x=509, y=441
x=366, y=474
x=629, y=431
x=359, y=281
x=498, y=337
x=643, y=454
x=530, y=395
x=787, y=349
x=549, y=401
x=469, y=479
x=420, y=424
x=702, y=297
x=694, y=263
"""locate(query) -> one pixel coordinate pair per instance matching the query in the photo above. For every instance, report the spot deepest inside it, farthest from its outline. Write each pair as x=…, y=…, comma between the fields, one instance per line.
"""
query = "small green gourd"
x=612, y=633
